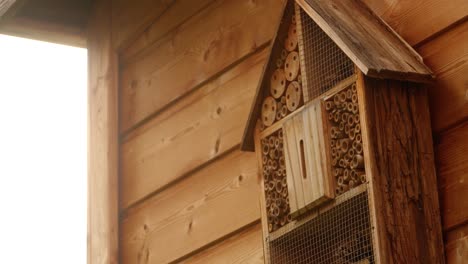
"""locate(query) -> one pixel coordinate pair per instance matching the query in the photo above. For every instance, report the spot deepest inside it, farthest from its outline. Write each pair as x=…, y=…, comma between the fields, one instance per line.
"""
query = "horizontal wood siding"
x=203, y=208
x=200, y=48
x=188, y=71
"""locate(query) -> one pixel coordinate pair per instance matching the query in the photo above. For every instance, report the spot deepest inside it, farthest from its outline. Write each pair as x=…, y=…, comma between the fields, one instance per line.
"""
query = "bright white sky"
x=42, y=152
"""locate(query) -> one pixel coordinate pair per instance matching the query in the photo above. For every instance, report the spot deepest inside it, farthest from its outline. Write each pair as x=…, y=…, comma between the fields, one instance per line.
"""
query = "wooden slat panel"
x=197, y=129
x=367, y=41
x=456, y=247
x=175, y=15
x=452, y=169
x=410, y=18
x=202, y=208
x=245, y=247
x=131, y=18
x=102, y=139
x=447, y=55
x=208, y=42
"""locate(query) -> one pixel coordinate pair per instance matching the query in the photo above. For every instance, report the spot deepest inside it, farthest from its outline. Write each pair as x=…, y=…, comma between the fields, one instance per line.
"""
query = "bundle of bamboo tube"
x=274, y=175
x=346, y=149
x=285, y=93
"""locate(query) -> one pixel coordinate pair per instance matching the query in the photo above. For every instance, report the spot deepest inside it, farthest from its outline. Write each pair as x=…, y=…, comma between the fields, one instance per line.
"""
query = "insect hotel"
x=341, y=128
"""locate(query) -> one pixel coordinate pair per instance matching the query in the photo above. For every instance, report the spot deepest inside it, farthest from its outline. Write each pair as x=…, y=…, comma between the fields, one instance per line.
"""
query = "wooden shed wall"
x=187, y=75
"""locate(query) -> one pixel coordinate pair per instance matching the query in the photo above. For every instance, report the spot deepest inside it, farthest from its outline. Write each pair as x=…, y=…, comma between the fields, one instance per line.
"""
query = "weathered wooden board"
x=456, y=247
x=397, y=136
x=102, y=139
x=175, y=15
x=245, y=247
x=210, y=204
x=204, y=45
x=416, y=21
x=367, y=41
x=131, y=18
x=452, y=169
x=447, y=55
x=190, y=133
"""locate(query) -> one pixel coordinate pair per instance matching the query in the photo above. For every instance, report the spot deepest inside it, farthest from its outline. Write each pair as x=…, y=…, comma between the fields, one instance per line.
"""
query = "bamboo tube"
x=341, y=126
x=279, y=63
x=358, y=138
x=356, y=119
x=355, y=109
x=336, y=99
x=338, y=144
x=349, y=94
x=349, y=107
x=277, y=142
x=358, y=162
x=351, y=152
x=342, y=97
x=346, y=129
x=337, y=172
x=264, y=160
x=328, y=105
x=278, y=115
x=340, y=181
x=283, y=99
x=332, y=143
x=351, y=120
x=331, y=116
x=268, y=202
x=357, y=146
x=351, y=184
x=363, y=178
x=354, y=98
x=284, y=111
x=270, y=227
x=353, y=88
x=354, y=175
x=345, y=144
x=344, y=187
x=280, y=134
x=279, y=187
x=273, y=153
x=284, y=182
x=344, y=117
x=352, y=133
x=281, y=162
x=285, y=192
x=276, y=211
x=357, y=128
x=274, y=165
x=337, y=191
x=346, y=175
x=335, y=161
x=271, y=185
x=284, y=54
x=342, y=163
x=271, y=141
x=265, y=149
x=337, y=116
x=281, y=148
x=270, y=163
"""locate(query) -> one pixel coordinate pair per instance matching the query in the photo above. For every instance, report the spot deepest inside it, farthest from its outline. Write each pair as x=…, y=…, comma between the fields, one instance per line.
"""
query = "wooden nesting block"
x=308, y=182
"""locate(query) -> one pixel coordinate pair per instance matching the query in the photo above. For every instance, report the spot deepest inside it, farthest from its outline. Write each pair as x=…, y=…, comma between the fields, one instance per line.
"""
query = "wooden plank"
x=447, y=55
x=200, y=48
x=131, y=18
x=456, y=247
x=8, y=8
x=45, y=31
x=190, y=133
x=246, y=247
x=398, y=145
x=210, y=204
x=175, y=15
x=367, y=40
x=102, y=139
x=410, y=18
x=452, y=169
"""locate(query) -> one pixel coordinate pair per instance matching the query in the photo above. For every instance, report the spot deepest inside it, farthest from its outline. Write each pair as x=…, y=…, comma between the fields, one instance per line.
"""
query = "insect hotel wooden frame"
x=341, y=127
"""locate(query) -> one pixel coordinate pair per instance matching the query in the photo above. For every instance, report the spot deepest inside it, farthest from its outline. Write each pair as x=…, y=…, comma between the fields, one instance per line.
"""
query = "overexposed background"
x=42, y=152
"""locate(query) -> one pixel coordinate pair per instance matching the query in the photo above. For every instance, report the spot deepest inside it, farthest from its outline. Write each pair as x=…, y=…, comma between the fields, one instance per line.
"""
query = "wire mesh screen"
x=323, y=62
x=340, y=235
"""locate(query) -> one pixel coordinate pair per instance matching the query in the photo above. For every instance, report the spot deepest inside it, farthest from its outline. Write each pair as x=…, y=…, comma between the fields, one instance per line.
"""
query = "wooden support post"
x=102, y=139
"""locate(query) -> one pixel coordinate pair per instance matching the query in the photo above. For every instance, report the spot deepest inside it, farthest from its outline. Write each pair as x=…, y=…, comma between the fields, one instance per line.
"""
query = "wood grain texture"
x=404, y=184
x=200, y=48
x=456, y=247
x=245, y=247
x=210, y=204
x=367, y=40
x=447, y=55
x=7, y=6
x=131, y=18
x=175, y=15
x=192, y=132
x=102, y=139
x=410, y=18
x=452, y=169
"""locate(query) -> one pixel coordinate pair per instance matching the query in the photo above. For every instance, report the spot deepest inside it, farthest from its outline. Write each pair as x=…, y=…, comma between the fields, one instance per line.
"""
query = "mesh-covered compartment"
x=323, y=62
x=274, y=175
x=339, y=235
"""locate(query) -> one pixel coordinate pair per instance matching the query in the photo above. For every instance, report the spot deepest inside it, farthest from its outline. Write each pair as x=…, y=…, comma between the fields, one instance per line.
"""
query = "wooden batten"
x=400, y=162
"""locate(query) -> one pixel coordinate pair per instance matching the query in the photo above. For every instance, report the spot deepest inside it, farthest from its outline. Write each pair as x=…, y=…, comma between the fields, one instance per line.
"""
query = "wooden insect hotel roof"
x=374, y=48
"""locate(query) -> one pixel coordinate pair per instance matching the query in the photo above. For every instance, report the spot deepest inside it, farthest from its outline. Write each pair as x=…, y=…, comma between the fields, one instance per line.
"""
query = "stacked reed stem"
x=346, y=151
x=275, y=182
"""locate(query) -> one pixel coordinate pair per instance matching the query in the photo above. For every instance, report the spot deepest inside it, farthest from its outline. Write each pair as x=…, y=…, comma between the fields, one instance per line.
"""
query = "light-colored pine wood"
x=410, y=18
x=175, y=14
x=456, y=246
x=447, y=55
x=245, y=247
x=190, y=133
x=131, y=18
x=452, y=170
x=208, y=205
x=102, y=139
x=203, y=46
